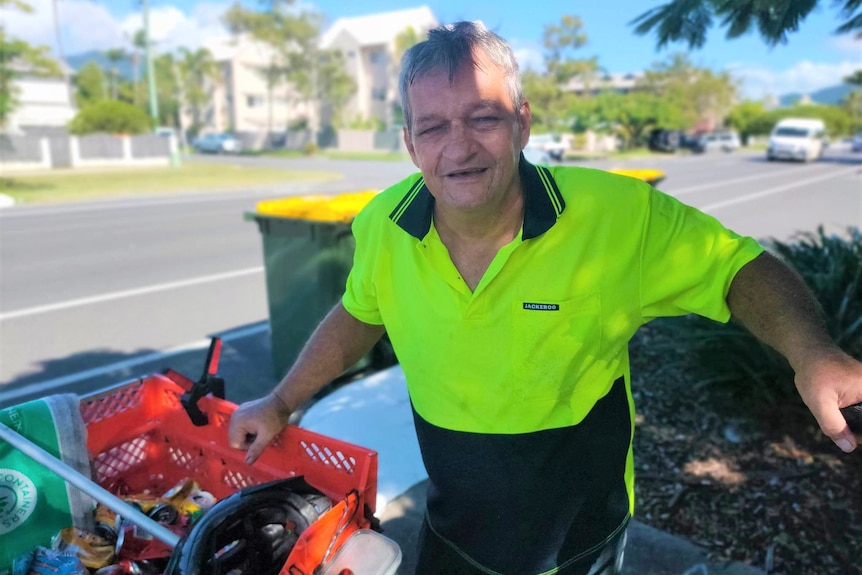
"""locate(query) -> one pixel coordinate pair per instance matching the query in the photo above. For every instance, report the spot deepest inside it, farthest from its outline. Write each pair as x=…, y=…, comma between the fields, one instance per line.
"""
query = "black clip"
x=208, y=383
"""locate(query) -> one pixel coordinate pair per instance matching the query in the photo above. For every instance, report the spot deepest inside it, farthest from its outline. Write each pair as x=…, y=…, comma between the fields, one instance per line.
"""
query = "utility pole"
x=61, y=54
x=154, y=102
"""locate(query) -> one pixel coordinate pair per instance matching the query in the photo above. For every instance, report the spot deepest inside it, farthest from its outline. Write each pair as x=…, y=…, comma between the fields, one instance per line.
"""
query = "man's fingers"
x=255, y=450
x=833, y=424
x=853, y=415
x=238, y=437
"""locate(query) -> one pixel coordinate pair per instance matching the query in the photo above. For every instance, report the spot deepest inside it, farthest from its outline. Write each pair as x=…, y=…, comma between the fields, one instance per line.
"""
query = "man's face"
x=467, y=135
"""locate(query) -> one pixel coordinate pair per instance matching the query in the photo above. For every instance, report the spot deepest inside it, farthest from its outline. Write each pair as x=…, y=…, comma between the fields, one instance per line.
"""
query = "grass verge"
x=68, y=185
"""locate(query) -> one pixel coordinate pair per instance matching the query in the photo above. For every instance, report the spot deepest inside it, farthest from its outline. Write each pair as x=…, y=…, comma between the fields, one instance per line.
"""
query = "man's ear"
x=408, y=142
x=525, y=119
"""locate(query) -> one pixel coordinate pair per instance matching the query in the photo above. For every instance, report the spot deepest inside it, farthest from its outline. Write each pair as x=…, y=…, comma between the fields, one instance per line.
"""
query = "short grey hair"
x=449, y=47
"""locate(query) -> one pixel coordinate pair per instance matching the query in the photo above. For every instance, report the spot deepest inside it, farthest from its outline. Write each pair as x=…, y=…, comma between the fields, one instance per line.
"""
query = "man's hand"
x=828, y=382
x=254, y=424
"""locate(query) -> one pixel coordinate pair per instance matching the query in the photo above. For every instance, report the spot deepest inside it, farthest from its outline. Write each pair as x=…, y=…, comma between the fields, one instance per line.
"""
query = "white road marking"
x=776, y=190
x=45, y=387
x=127, y=293
x=723, y=183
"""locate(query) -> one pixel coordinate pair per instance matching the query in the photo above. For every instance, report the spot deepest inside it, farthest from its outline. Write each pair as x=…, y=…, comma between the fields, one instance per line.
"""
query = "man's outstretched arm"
x=773, y=302
x=338, y=343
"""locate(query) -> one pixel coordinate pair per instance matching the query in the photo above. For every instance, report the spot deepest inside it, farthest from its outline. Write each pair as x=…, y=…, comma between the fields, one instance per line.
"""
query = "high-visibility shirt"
x=521, y=387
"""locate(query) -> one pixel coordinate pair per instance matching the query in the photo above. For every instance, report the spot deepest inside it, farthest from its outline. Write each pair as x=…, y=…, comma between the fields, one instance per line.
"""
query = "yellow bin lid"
x=648, y=175
x=341, y=208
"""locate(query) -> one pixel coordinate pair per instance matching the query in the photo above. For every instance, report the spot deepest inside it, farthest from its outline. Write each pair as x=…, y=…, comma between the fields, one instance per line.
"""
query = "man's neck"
x=497, y=225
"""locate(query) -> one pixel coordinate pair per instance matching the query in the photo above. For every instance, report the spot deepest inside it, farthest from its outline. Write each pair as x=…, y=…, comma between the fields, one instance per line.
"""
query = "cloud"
x=528, y=55
x=847, y=44
x=805, y=77
x=88, y=25
x=171, y=28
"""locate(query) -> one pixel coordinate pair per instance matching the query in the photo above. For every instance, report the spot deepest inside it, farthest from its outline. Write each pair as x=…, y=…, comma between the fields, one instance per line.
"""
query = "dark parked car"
x=663, y=140
x=670, y=141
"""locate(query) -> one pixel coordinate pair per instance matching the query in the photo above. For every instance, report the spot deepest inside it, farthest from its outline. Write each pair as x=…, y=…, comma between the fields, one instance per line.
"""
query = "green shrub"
x=111, y=117
x=728, y=362
x=310, y=149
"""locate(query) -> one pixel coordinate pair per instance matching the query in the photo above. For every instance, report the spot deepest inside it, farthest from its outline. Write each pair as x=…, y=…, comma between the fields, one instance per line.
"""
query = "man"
x=510, y=292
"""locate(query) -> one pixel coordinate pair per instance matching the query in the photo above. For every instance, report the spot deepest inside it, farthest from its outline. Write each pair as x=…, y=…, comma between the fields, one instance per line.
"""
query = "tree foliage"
x=633, y=115
x=689, y=20
x=750, y=118
x=112, y=117
x=549, y=103
x=90, y=84
x=561, y=39
x=298, y=62
x=698, y=93
x=198, y=74
x=17, y=59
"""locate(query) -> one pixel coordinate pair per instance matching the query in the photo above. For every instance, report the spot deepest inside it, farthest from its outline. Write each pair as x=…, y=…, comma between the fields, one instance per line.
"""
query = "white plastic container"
x=366, y=552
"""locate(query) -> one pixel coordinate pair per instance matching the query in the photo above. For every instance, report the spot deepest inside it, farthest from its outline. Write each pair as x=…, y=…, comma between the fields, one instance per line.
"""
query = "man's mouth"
x=466, y=173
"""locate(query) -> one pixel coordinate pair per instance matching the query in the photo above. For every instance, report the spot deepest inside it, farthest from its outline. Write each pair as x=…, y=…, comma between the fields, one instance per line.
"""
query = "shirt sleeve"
x=360, y=293
x=688, y=260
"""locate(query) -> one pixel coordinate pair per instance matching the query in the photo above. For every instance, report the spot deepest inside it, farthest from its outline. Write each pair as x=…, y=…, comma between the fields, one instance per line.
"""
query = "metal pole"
x=154, y=102
x=89, y=487
x=61, y=54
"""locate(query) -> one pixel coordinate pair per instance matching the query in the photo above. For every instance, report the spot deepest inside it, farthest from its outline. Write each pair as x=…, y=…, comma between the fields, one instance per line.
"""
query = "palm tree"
x=138, y=42
x=198, y=73
x=114, y=56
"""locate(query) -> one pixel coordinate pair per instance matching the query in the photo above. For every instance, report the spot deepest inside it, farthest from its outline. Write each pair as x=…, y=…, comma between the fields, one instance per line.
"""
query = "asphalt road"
x=95, y=293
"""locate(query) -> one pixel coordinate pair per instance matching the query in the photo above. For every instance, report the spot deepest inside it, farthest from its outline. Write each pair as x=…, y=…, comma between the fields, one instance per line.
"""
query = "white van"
x=801, y=139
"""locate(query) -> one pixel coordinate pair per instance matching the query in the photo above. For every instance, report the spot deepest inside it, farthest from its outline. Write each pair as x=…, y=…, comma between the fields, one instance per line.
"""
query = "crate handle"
x=208, y=383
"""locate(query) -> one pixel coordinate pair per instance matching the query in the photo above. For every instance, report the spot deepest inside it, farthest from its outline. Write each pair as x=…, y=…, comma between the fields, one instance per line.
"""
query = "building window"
x=378, y=94
x=377, y=57
x=254, y=101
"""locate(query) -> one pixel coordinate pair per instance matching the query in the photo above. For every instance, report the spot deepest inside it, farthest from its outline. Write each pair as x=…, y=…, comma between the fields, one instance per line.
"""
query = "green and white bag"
x=36, y=503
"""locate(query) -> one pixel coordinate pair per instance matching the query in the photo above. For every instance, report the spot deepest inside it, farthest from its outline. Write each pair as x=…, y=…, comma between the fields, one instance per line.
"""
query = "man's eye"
x=429, y=130
x=485, y=121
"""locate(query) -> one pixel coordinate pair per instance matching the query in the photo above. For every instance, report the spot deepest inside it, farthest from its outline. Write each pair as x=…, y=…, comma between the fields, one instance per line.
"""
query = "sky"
x=813, y=58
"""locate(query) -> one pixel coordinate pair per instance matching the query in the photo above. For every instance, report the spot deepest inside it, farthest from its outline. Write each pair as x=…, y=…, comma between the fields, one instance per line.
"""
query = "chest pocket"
x=553, y=344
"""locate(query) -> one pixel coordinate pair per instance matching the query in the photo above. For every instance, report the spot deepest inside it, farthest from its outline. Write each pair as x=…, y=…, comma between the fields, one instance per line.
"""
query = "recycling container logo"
x=17, y=499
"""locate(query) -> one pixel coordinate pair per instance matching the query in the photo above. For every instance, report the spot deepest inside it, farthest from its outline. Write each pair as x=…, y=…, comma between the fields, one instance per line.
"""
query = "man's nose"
x=460, y=142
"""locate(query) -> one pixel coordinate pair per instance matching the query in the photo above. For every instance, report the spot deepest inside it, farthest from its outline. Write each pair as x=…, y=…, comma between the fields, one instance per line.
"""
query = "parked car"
x=721, y=140
x=217, y=144
x=536, y=155
x=554, y=146
x=856, y=143
x=661, y=140
x=802, y=139
x=166, y=132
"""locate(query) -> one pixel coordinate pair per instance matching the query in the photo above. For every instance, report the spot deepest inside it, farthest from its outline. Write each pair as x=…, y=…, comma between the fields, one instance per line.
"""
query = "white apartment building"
x=620, y=83
x=368, y=44
x=241, y=100
x=44, y=104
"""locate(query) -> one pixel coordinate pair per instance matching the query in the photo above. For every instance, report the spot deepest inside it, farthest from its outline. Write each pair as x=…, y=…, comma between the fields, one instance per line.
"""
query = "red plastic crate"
x=140, y=436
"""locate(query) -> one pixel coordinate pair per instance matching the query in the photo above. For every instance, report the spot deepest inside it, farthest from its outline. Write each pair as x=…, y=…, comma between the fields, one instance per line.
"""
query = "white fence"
x=21, y=153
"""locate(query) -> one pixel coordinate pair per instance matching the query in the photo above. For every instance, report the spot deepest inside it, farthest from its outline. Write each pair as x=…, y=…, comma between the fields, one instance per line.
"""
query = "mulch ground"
x=770, y=491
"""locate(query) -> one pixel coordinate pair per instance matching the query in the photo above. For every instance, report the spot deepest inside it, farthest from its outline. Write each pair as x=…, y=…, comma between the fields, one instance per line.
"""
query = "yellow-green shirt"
x=515, y=372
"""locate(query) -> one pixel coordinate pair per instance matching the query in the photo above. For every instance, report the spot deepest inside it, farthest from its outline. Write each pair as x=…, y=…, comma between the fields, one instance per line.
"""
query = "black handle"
x=853, y=415
x=208, y=383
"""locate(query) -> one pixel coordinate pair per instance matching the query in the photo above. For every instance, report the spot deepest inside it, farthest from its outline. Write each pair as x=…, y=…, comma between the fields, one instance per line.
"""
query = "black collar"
x=543, y=203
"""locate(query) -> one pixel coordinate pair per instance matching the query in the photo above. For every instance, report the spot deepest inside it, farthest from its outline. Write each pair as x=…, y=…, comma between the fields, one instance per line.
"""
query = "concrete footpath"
x=648, y=551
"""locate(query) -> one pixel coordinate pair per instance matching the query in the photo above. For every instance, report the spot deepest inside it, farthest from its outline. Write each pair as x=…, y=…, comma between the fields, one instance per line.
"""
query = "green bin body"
x=306, y=264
